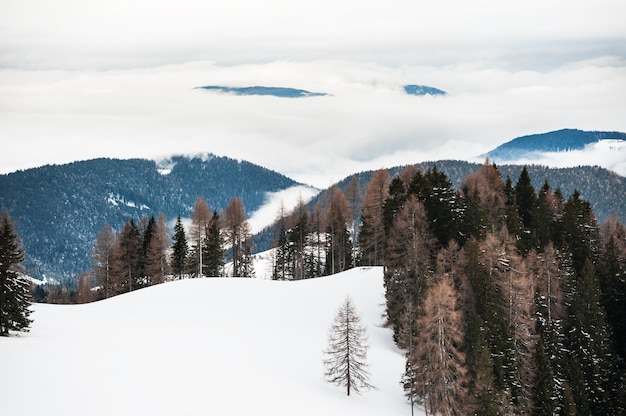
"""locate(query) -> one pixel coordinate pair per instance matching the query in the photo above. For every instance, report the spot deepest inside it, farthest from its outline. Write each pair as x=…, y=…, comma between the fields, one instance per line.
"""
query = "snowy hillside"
x=202, y=346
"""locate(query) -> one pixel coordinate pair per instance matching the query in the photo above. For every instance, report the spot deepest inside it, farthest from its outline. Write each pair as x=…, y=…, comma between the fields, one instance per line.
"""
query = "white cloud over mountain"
x=90, y=79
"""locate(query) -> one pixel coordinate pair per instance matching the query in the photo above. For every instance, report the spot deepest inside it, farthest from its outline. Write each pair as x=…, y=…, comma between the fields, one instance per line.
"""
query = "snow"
x=201, y=346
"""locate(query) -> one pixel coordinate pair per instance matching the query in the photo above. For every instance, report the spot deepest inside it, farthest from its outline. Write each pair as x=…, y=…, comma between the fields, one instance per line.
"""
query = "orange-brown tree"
x=372, y=233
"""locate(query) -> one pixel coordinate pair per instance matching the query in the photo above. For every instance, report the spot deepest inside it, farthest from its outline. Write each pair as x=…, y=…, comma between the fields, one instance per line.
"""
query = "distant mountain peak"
x=414, y=89
x=282, y=92
x=563, y=140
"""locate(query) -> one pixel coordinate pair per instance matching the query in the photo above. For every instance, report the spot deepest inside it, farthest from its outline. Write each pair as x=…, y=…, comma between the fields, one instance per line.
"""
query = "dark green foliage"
x=579, y=230
x=483, y=396
x=545, y=216
x=213, y=255
x=441, y=202
x=612, y=275
x=393, y=203
x=180, y=249
x=474, y=221
x=594, y=380
x=15, y=296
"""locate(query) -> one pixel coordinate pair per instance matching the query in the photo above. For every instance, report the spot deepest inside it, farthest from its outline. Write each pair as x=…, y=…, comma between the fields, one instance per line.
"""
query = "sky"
x=81, y=79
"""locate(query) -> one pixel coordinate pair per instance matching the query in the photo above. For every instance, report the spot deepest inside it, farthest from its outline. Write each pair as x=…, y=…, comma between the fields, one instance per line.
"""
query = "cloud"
x=85, y=79
x=366, y=122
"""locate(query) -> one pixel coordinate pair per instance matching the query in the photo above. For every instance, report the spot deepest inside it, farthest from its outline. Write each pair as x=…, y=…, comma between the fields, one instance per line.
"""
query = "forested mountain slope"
x=605, y=190
x=59, y=209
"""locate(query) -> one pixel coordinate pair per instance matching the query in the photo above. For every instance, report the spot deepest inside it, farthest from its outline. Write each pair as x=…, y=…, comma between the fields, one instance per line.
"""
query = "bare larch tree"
x=347, y=350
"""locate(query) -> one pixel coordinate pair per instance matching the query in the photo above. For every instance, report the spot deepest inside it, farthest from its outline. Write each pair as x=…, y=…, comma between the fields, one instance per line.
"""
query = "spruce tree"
x=213, y=247
x=595, y=382
x=180, y=250
x=15, y=297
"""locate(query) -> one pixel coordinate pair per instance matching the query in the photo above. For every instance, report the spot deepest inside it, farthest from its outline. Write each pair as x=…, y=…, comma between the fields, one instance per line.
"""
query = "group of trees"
x=507, y=300
x=317, y=242
x=14, y=287
x=142, y=254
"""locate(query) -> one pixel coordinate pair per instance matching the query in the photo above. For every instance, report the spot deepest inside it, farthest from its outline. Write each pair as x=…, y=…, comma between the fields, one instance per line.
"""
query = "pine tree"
x=127, y=258
x=612, y=275
x=597, y=386
x=346, y=354
x=213, y=248
x=180, y=250
x=15, y=297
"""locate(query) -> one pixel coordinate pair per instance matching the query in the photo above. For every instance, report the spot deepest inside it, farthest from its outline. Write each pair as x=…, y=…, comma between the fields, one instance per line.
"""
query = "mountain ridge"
x=563, y=140
x=59, y=209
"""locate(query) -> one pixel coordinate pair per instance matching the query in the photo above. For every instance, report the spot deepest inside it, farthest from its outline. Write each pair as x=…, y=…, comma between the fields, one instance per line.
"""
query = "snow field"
x=202, y=346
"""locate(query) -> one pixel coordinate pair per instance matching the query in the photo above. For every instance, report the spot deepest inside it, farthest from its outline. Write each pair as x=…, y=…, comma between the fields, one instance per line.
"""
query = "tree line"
x=506, y=300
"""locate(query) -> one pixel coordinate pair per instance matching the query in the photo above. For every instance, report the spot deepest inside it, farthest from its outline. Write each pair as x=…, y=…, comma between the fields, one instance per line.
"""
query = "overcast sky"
x=81, y=79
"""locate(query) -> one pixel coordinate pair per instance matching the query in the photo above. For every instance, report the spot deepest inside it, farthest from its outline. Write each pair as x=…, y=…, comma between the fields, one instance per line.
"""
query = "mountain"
x=202, y=346
x=604, y=189
x=565, y=140
x=282, y=92
x=60, y=209
x=413, y=89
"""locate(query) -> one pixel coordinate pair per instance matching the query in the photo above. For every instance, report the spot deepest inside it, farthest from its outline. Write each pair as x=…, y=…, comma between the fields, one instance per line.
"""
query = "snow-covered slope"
x=202, y=346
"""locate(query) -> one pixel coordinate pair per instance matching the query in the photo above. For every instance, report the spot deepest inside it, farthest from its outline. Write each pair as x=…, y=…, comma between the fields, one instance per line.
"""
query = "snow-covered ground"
x=202, y=346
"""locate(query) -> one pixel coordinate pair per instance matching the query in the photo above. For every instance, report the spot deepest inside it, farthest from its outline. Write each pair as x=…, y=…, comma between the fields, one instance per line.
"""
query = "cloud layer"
x=84, y=79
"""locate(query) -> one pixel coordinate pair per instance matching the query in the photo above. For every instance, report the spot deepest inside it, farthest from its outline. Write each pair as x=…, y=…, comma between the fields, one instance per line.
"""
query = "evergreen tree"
x=525, y=198
x=441, y=202
x=579, y=228
x=127, y=258
x=346, y=354
x=545, y=216
x=612, y=275
x=597, y=386
x=180, y=250
x=15, y=296
x=213, y=248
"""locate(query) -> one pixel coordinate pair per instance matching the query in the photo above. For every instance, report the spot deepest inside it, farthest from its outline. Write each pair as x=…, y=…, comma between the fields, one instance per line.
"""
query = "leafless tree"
x=347, y=351
x=102, y=260
x=435, y=361
x=200, y=218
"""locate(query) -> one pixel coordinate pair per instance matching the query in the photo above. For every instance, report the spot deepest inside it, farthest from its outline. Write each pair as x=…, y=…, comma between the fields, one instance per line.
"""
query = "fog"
x=86, y=79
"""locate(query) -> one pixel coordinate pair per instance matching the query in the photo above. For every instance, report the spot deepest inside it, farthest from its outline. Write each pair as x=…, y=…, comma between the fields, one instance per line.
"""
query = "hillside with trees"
x=60, y=209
